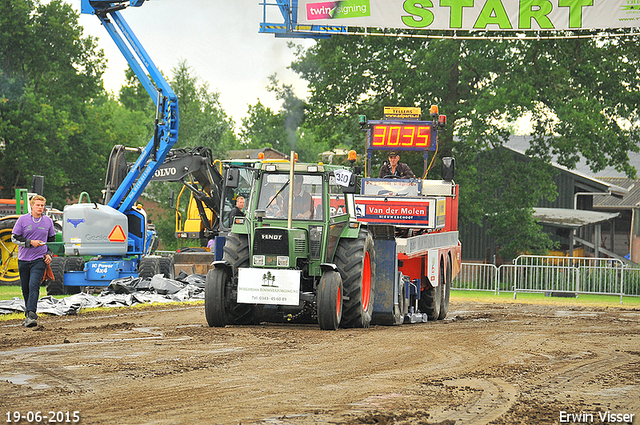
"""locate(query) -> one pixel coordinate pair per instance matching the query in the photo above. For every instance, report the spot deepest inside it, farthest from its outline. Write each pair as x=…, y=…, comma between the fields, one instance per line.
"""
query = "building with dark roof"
x=590, y=216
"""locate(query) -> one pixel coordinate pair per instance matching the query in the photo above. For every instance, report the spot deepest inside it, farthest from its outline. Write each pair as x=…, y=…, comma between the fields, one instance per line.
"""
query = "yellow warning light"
x=261, y=155
x=434, y=110
x=352, y=156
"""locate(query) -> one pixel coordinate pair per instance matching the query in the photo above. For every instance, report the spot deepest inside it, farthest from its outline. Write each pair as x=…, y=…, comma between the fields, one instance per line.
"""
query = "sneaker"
x=31, y=320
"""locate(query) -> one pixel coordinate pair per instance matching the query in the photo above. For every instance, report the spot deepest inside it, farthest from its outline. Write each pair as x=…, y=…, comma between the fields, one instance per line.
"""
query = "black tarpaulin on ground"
x=123, y=292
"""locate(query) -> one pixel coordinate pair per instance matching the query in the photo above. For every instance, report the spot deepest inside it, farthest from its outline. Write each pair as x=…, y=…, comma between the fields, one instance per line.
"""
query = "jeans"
x=31, y=274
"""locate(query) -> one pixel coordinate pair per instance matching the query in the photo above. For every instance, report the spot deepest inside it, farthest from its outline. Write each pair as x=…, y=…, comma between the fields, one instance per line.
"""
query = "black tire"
x=148, y=267
x=56, y=287
x=215, y=298
x=73, y=264
x=431, y=297
x=236, y=253
x=446, y=292
x=9, y=273
x=329, y=300
x=166, y=267
x=355, y=259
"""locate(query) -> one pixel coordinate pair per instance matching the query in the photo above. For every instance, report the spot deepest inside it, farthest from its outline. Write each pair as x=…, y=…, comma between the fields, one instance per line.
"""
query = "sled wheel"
x=446, y=291
x=431, y=297
x=330, y=300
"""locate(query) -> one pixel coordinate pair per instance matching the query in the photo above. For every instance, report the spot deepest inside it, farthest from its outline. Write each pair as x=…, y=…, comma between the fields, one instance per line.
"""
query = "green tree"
x=582, y=95
x=263, y=128
x=50, y=79
x=284, y=130
x=203, y=122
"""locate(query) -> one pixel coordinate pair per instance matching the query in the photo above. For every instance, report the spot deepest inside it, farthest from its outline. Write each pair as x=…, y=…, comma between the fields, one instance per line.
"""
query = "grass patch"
x=585, y=300
x=9, y=292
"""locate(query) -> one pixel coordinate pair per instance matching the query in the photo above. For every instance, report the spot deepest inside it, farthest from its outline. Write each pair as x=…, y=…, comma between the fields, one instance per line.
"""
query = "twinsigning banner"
x=502, y=15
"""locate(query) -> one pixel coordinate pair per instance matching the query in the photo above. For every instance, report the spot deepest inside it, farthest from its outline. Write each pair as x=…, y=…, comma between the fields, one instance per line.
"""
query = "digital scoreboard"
x=401, y=135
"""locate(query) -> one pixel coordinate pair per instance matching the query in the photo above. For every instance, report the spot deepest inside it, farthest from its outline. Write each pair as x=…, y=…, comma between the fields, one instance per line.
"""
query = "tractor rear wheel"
x=56, y=287
x=330, y=300
x=355, y=259
x=215, y=298
x=8, y=252
x=431, y=297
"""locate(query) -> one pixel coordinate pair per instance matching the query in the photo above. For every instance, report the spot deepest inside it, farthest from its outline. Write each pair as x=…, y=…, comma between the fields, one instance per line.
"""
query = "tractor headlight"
x=315, y=241
x=258, y=260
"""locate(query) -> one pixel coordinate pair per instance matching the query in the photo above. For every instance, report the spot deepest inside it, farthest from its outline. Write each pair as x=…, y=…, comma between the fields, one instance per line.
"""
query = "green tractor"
x=298, y=255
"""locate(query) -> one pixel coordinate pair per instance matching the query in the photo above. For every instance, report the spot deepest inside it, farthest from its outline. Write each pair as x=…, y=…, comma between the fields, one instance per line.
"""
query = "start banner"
x=470, y=15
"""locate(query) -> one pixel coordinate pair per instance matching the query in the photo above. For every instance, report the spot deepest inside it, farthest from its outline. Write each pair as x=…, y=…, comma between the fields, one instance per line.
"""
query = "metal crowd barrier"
x=545, y=274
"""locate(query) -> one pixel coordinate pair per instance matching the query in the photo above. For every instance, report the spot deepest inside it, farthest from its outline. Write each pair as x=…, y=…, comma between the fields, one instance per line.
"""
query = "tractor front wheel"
x=215, y=298
x=236, y=253
x=330, y=300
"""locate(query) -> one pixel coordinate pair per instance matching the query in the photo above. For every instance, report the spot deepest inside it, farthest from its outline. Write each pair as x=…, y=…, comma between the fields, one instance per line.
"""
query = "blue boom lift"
x=117, y=234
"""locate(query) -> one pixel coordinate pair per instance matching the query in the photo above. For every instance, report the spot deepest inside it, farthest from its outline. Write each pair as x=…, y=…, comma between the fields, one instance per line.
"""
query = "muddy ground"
x=502, y=363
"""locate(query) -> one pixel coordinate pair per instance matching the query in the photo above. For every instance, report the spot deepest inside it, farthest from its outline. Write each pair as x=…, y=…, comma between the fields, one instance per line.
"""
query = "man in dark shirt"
x=237, y=210
x=396, y=168
x=302, y=201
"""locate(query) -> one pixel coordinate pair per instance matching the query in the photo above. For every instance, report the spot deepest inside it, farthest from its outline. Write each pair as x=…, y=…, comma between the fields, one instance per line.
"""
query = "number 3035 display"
x=401, y=136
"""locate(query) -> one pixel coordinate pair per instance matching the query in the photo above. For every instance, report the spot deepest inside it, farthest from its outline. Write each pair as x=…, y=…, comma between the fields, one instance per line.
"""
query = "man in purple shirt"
x=31, y=233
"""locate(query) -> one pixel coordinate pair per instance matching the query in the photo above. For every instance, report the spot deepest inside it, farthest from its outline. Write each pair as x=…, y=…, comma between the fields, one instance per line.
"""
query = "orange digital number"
x=401, y=135
x=423, y=136
x=409, y=134
x=379, y=135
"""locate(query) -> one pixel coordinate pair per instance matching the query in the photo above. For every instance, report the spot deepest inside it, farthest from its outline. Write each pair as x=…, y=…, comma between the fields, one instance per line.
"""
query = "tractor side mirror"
x=353, y=187
x=232, y=178
x=448, y=168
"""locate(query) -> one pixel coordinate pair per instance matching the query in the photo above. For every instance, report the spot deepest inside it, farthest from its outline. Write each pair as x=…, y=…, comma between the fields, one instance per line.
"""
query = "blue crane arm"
x=289, y=26
x=166, y=124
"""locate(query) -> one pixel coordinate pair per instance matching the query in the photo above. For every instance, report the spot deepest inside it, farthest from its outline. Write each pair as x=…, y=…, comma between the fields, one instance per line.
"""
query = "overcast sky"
x=218, y=39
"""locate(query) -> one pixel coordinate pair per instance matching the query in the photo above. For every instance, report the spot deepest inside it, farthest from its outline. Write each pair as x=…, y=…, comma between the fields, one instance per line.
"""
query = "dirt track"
x=487, y=363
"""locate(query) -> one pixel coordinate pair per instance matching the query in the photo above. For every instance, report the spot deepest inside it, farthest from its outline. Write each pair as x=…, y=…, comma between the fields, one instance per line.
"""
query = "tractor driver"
x=395, y=168
x=302, y=201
